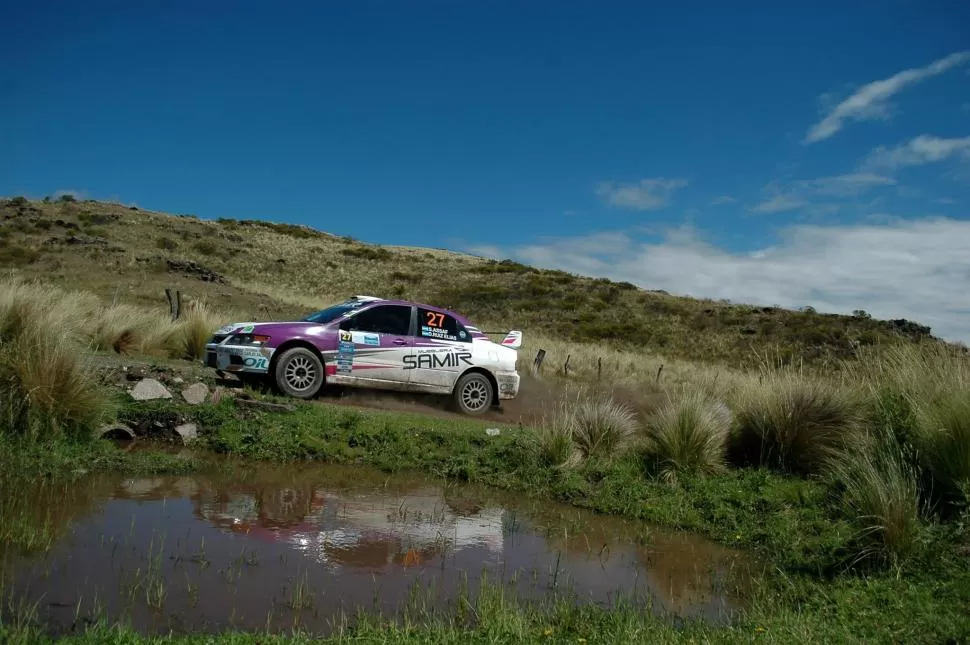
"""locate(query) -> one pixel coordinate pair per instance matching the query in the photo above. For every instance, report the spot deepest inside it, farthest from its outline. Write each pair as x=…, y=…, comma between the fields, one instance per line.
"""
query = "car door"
x=372, y=345
x=442, y=351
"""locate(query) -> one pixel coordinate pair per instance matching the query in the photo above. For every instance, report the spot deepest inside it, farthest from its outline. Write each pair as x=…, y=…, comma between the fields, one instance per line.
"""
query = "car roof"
x=372, y=300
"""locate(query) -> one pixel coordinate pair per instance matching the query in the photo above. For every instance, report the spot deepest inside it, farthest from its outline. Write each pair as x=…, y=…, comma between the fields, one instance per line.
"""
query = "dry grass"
x=793, y=421
x=602, y=427
x=688, y=434
x=45, y=389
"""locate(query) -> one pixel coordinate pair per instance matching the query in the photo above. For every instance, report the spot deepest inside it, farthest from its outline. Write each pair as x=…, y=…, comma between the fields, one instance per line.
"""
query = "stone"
x=195, y=394
x=188, y=431
x=150, y=389
x=493, y=432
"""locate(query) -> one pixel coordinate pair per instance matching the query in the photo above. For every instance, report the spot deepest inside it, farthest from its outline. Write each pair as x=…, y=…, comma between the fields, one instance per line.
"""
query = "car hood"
x=246, y=327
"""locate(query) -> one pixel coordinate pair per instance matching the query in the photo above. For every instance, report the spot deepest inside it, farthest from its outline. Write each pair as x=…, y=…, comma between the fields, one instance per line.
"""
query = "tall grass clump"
x=794, y=422
x=881, y=493
x=933, y=382
x=554, y=437
x=194, y=330
x=688, y=434
x=45, y=389
x=125, y=329
x=602, y=427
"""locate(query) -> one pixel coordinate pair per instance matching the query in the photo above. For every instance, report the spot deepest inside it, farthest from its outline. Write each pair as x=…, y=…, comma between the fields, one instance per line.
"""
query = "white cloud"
x=919, y=151
x=779, y=203
x=646, y=194
x=871, y=101
x=723, y=199
x=893, y=268
x=800, y=193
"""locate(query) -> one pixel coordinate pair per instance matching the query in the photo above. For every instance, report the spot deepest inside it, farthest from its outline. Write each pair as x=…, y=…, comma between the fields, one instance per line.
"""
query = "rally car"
x=374, y=343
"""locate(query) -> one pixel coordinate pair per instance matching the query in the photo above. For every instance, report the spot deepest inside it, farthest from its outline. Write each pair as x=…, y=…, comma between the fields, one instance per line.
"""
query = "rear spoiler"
x=512, y=340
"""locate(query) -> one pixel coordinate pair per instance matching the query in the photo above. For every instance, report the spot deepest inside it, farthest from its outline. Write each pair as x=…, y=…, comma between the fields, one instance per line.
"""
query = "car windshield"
x=329, y=314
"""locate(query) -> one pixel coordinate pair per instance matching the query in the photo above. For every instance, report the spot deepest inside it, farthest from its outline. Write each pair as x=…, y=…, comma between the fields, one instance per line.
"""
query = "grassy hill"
x=261, y=269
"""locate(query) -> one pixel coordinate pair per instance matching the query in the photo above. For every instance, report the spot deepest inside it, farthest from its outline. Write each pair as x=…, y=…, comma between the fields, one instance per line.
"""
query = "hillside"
x=261, y=270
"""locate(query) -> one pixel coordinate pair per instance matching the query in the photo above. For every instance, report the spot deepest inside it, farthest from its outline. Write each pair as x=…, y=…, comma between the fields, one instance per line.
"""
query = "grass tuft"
x=602, y=427
x=794, y=422
x=881, y=494
x=195, y=329
x=688, y=434
x=46, y=390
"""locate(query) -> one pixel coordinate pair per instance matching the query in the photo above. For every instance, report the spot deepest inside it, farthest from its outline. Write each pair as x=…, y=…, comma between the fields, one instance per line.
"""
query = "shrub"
x=602, y=427
x=794, y=422
x=688, y=435
x=881, y=495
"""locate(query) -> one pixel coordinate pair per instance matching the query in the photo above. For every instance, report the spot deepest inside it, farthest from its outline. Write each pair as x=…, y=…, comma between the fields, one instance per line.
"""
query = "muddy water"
x=276, y=547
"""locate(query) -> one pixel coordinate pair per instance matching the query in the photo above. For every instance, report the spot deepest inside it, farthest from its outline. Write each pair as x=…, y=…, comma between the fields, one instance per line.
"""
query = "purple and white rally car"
x=374, y=343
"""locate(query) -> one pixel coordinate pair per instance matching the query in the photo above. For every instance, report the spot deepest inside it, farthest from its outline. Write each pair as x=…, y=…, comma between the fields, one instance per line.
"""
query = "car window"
x=433, y=324
x=382, y=319
x=332, y=313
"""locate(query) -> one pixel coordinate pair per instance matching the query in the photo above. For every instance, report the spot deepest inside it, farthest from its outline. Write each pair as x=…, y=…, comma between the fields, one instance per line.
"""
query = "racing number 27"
x=435, y=319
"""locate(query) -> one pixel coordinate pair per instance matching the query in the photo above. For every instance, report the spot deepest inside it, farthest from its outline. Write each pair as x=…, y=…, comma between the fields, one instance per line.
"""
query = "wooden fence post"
x=537, y=363
x=565, y=366
x=660, y=371
x=174, y=303
x=599, y=368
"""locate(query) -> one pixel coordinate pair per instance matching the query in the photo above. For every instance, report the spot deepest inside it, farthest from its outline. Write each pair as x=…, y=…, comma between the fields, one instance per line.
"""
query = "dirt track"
x=537, y=397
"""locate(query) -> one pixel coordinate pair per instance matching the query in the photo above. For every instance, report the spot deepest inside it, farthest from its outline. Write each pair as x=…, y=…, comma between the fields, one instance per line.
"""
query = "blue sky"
x=773, y=153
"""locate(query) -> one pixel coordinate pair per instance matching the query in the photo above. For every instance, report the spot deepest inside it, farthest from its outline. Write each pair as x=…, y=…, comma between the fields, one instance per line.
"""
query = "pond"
x=278, y=547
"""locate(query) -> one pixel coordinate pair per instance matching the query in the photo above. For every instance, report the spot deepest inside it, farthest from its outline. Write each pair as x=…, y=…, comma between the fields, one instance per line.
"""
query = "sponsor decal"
x=345, y=335
x=256, y=362
x=365, y=338
x=246, y=330
x=462, y=334
x=434, y=361
x=437, y=332
x=345, y=354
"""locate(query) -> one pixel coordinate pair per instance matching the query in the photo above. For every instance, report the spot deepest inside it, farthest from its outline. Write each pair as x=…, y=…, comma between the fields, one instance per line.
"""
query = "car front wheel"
x=299, y=373
x=473, y=393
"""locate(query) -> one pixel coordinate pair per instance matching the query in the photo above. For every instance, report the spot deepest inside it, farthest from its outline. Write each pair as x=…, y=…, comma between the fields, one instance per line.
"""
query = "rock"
x=195, y=394
x=194, y=270
x=116, y=431
x=178, y=380
x=493, y=432
x=188, y=431
x=149, y=389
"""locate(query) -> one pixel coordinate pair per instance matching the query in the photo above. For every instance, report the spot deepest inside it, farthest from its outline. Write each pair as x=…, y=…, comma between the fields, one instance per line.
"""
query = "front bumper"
x=508, y=385
x=238, y=358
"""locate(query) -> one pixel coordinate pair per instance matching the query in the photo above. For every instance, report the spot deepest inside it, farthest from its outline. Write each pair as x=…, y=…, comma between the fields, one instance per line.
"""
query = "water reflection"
x=257, y=549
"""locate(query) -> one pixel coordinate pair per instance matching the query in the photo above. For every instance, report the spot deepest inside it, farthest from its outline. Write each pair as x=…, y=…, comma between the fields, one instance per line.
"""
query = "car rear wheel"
x=473, y=394
x=299, y=373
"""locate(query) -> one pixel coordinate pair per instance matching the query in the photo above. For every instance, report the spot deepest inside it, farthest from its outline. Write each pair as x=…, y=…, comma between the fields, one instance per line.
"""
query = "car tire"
x=299, y=373
x=473, y=394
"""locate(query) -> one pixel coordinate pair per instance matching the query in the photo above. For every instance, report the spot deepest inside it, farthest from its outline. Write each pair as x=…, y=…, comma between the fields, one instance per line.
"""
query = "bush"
x=881, y=495
x=688, y=435
x=794, y=422
x=944, y=439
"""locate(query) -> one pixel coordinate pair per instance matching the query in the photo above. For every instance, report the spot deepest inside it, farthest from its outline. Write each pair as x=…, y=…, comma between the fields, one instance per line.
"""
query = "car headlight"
x=251, y=340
